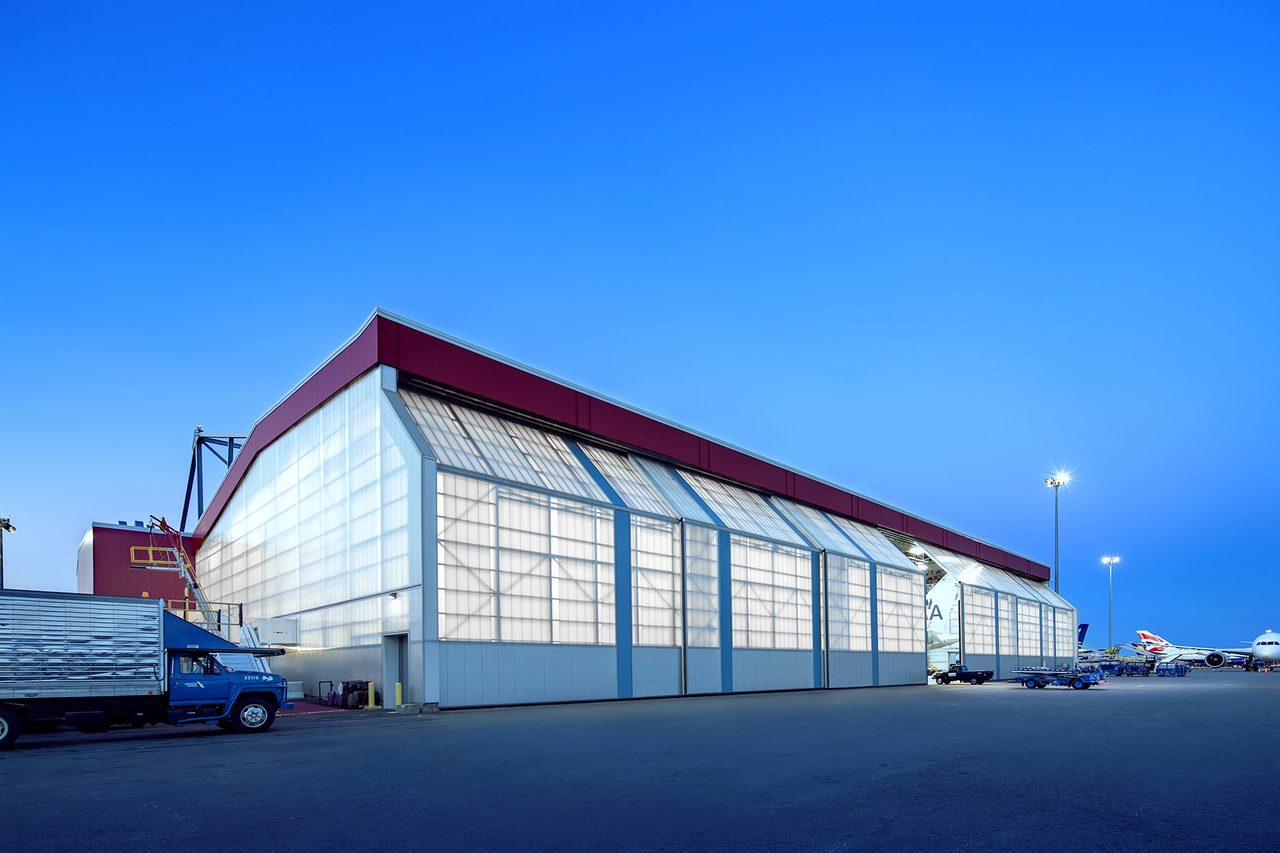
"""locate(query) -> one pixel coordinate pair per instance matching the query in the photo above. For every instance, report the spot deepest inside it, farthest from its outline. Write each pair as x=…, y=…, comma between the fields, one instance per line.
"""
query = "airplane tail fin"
x=1082, y=629
x=1152, y=642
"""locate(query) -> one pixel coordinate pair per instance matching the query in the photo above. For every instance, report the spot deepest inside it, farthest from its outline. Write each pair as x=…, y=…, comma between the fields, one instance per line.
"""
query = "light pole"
x=1056, y=482
x=5, y=527
x=1110, y=563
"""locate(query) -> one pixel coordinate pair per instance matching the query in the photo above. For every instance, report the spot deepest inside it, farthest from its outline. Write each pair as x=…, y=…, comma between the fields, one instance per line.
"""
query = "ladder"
x=173, y=558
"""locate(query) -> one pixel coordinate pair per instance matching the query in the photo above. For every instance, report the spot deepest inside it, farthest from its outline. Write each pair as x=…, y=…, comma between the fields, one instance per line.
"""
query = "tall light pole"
x=1056, y=482
x=5, y=527
x=1110, y=563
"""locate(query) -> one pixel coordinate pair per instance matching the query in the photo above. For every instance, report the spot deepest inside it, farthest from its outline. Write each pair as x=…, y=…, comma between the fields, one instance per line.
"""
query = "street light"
x=1056, y=481
x=1110, y=563
x=5, y=527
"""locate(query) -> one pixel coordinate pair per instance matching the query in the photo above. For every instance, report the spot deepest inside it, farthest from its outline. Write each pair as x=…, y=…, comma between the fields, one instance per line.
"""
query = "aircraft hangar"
x=421, y=511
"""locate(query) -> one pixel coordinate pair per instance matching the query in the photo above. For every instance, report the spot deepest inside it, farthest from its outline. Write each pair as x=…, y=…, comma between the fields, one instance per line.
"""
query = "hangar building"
x=424, y=512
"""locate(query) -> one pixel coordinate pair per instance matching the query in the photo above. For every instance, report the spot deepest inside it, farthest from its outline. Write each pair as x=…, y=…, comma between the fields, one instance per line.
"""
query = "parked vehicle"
x=960, y=672
x=95, y=661
x=1073, y=678
x=1173, y=668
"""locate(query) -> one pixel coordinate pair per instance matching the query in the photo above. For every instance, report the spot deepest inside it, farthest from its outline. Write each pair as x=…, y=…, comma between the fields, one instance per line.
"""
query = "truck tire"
x=980, y=681
x=10, y=728
x=1030, y=683
x=1078, y=684
x=253, y=714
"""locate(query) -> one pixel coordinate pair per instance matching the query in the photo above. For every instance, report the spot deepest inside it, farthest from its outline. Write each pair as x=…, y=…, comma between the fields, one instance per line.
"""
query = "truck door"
x=198, y=679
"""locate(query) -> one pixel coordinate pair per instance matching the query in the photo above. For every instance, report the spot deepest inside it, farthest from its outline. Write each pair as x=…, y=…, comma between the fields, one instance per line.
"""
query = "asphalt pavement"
x=1156, y=763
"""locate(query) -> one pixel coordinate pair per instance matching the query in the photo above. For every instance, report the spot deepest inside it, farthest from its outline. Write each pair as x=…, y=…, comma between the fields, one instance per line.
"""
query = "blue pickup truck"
x=94, y=661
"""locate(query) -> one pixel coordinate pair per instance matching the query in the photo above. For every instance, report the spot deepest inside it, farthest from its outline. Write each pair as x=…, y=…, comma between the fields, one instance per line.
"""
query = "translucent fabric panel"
x=741, y=509
x=816, y=527
x=849, y=608
x=443, y=432
x=655, y=582
x=1007, y=624
x=499, y=449
x=675, y=494
x=320, y=518
x=554, y=461
x=1065, y=625
x=481, y=443
x=634, y=488
x=899, y=610
x=1035, y=590
x=518, y=566
x=1045, y=591
x=1028, y=628
x=882, y=551
x=582, y=576
x=702, y=573
x=466, y=554
x=979, y=619
x=772, y=595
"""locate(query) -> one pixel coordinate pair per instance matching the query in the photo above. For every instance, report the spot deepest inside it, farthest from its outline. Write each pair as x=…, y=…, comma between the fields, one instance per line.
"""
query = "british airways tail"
x=1082, y=629
x=1153, y=642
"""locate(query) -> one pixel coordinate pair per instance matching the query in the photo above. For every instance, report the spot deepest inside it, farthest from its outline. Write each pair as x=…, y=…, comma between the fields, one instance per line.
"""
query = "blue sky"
x=929, y=254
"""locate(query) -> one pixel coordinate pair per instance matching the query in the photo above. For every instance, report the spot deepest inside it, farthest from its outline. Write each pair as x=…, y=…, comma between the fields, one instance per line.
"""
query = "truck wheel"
x=1077, y=684
x=1029, y=683
x=253, y=715
x=980, y=681
x=10, y=728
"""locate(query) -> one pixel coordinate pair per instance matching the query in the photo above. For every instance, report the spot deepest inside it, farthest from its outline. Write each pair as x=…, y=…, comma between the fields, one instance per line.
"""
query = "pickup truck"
x=960, y=672
x=94, y=661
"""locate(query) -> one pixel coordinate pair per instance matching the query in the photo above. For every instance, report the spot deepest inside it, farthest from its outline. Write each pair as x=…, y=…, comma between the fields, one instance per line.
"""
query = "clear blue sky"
x=928, y=254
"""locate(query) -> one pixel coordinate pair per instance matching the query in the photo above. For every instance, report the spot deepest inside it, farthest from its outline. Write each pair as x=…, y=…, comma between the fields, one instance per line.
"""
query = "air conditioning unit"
x=278, y=631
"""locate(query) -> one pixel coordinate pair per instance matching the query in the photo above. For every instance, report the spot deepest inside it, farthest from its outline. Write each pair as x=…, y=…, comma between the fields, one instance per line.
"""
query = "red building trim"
x=419, y=353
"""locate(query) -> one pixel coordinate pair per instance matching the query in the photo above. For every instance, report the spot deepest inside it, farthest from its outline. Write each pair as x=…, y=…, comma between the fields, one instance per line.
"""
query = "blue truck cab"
x=204, y=686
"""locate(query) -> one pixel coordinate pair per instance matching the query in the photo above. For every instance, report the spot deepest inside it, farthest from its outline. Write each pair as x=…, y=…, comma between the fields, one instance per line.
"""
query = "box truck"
x=94, y=661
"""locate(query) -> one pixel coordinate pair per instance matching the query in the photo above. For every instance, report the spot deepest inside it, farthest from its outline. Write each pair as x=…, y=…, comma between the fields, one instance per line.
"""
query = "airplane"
x=1264, y=649
x=1087, y=655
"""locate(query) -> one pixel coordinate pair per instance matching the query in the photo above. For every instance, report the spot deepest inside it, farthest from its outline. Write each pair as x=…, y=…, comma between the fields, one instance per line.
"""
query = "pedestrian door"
x=395, y=668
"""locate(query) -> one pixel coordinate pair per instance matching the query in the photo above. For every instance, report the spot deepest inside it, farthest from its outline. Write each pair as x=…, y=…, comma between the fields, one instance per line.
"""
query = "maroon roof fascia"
x=440, y=362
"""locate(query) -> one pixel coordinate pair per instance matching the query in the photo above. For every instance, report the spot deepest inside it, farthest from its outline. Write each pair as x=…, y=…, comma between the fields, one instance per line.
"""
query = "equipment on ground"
x=95, y=661
x=960, y=672
x=1177, y=670
x=1073, y=678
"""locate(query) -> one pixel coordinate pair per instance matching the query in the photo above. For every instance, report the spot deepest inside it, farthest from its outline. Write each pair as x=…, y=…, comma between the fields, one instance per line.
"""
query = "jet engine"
x=1215, y=659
